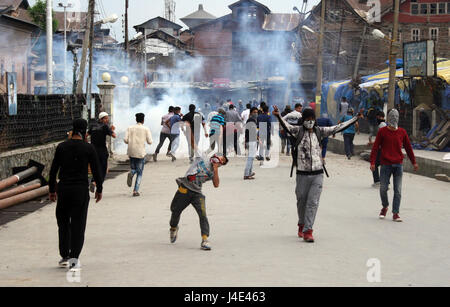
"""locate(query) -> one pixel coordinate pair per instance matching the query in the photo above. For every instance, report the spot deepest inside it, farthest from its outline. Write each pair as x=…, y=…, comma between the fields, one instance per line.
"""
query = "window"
x=433, y=8
x=434, y=33
x=415, y=35
x=424, y=9
x=448, y=7
x=441, y=8
x=24, y=81
x=414, y=9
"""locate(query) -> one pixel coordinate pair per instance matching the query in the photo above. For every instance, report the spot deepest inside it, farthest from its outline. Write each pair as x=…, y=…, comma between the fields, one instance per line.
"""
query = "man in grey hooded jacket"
x=309, y=166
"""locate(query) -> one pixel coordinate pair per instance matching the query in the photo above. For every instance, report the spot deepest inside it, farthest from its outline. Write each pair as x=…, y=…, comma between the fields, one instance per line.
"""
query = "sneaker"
x=64, y=263
x=172, y=156
x=383, y=213
x=92, y=187
x=205, y=245
x=249, y=178
x=267, y=158
x=155, y=157
x=136, y=194
x=130, y=179
x=397, y=218
x=173, y=234
x=75, y=265
x=308, y=237
x=300, y=231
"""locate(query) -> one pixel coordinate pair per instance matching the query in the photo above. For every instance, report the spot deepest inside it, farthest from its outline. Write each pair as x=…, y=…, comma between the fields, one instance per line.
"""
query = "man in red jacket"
x=390, y=141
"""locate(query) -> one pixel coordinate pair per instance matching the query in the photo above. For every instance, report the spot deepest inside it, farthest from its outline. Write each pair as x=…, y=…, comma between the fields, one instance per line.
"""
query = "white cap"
x=103, y=114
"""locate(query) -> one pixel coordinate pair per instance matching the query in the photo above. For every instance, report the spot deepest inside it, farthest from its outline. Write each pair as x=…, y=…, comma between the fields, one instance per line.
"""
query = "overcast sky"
x=143, y=10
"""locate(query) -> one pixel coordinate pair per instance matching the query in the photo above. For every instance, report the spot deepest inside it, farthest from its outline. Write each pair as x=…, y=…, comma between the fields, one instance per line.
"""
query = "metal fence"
x=40, y=119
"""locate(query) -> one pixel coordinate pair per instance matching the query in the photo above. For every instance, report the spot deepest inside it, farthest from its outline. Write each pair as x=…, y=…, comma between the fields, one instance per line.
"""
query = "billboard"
x=418, y=58
x=11, y=89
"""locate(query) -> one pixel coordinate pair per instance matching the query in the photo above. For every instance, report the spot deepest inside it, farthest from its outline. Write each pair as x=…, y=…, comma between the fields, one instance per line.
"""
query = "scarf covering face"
x=393, y=118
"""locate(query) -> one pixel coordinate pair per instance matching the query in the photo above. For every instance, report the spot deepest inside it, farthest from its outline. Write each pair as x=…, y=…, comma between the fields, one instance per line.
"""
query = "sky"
x=142, y=10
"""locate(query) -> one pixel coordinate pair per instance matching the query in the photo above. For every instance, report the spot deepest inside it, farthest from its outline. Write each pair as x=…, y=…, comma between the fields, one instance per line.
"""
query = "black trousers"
x=162, y=139
x=71, y=215
x=102, y=154
x=183, y=198
x=348, y=144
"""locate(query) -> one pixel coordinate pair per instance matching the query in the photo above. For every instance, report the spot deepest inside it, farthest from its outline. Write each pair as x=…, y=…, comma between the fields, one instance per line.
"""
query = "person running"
x=98, y=133
x=71, y=161
x=307, y=158
x=136, y=137
x=349, y=134
x=193, y=132
x=376, y=173
x=165, y=134
x=174, y=124
x=190, y=192
x=390, y=141
x=217, y=127
x=251, y=139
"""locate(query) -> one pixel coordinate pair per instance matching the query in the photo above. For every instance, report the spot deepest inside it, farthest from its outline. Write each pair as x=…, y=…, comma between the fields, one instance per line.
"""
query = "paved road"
x=253, y=234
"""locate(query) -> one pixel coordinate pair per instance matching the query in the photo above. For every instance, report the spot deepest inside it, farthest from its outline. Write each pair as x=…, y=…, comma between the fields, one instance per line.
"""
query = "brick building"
x=16, y=32
x=251, y=43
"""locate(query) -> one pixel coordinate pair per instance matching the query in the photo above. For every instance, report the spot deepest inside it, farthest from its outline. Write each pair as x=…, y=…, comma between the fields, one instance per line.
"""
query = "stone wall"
x=20, y=157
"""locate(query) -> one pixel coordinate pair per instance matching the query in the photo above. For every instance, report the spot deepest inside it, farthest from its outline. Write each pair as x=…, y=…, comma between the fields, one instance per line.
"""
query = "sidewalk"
x=430, y=162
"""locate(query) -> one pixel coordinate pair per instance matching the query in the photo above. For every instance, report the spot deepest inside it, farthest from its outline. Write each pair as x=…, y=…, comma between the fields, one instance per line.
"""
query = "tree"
x=38, y=13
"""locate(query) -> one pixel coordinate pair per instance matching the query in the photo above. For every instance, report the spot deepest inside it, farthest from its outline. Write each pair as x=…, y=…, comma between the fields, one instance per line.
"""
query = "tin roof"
x=281, y=22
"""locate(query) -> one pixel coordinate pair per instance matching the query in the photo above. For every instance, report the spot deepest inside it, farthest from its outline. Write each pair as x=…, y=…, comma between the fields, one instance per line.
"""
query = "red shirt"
x=390, y=143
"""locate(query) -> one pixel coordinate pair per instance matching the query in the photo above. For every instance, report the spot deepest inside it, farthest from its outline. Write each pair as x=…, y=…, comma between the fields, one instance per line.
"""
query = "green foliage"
x=38, y=13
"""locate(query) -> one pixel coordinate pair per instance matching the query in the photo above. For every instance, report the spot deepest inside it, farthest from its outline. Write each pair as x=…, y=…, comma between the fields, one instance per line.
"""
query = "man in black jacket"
x=71, y=160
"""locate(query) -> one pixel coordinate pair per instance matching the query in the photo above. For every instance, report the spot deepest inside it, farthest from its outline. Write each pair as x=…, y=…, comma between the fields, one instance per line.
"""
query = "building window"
x=433, y=8
x=23, y=75
x=415, y=35
x=441, y=8
x=414, y=9
x=448, y=7
x=424, y=9
x=434, y=33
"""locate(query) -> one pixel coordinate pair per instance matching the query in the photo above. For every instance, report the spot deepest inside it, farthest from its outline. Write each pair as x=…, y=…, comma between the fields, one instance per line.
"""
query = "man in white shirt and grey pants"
x=136, y=137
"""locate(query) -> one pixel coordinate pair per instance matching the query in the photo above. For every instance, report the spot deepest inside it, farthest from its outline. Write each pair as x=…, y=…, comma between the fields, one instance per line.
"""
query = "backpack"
x=295, y=141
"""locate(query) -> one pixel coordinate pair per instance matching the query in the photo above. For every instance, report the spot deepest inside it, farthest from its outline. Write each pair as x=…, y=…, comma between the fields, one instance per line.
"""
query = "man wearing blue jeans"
x=390, y=141
x=136, y=137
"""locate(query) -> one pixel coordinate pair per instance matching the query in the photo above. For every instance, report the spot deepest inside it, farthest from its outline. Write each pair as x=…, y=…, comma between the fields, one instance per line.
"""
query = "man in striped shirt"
x=216, y=129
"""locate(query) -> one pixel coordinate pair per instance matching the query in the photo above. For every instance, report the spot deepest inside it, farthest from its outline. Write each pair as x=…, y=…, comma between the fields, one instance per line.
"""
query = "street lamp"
x=68, y=5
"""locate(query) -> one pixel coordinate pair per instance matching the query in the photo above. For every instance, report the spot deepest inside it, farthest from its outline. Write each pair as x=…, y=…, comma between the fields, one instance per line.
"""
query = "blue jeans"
x=396, y=170
x=137, y=167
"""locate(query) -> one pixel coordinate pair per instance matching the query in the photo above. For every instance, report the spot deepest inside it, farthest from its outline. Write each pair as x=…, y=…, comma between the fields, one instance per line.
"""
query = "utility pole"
x=339, y=45
x=126, y=26
x=87, y=35
x=65, y=42
x=393, y=57
x=49, y=47
x=320, y=60
x=91, y=52
x=358, y=58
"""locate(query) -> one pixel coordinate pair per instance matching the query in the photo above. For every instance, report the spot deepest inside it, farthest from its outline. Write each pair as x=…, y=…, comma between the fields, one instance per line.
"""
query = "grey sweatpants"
x=184, y=198
x=308, y=190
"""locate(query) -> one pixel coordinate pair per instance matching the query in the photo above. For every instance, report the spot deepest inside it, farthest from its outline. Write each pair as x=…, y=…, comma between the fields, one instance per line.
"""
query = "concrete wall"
x=20, y=157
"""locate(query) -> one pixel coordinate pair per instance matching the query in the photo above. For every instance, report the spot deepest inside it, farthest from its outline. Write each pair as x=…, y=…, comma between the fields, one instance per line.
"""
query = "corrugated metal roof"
x=281, y=22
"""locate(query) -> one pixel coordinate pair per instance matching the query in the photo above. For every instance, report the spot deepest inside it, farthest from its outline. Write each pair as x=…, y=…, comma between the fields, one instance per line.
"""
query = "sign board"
x=418, y=58
x=221, y=83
